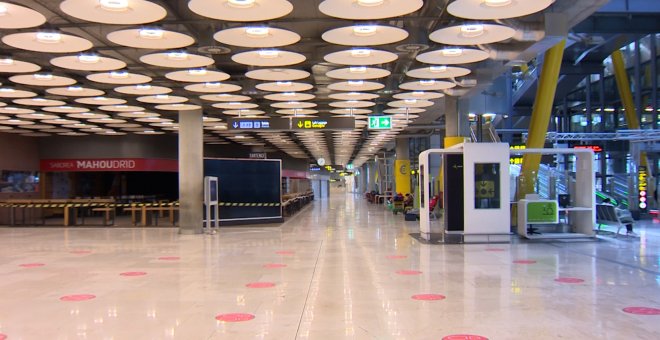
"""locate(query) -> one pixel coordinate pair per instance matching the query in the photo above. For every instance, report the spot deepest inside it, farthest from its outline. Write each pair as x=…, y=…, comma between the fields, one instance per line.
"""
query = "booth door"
x=453, y=194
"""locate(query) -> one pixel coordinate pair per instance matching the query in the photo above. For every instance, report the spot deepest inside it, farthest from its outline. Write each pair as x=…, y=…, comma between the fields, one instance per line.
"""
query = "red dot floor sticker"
x=133, y=273
x=642, y=310
x=274, y=265
x=169, y=258
x=77, y=297
x=285, y=252
x=464, y=337
x=524, y=262
x=408, y=272
x=260, y=285
x=428, y=297
x=569, y=280
x=31, y=265
x=396, y=257
x=80, y=252
x=234, y=317
x=2, y=336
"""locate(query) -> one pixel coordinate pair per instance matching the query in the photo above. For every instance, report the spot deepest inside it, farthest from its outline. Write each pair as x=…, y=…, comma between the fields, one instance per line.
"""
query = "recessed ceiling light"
x=497, y=3
x=49, y=37
x=364, y=30
x=241, y=3
x=269, y=54
x=143, y=87
x=6, y=61
x=3, y=9
x=418, y=93
x=6, y=90
x=74, y=88
x=360, y=53
x=257, y=32
x=212, y=85
x=438, y=69
x=114, y=5
x=151, y=33
x=284, y=83
x=88, y=58
x=356, y=82
x=197, y=72
x=118, y=74
x=43, y=76
x=471, y=31
x=451, y=52
x=179, y=56
x=370, y=3
x=289, y=94
x=358, y=69
x=427, y=82
x=162, y=96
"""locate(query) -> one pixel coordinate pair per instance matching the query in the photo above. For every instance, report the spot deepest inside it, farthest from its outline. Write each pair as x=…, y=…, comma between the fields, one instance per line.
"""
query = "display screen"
x=213, y=190
x=251, y=189
x=486, y=185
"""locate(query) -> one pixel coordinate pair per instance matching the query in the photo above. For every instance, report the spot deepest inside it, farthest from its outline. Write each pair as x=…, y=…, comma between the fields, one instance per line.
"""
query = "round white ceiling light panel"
x=88, y=62
x=356, y=85
x=496, y=9
x=197, y=76
x=472, y=34
x=15, y=121
x=369, y=9
x=360, y=57
x=162, y=99
x=225, y=97
x=357, y=104
x=101, y=101
x=40, y=127
x=438, y=72
x=143, y=89
x=15, y=16
x=404, y=110
x=289, y=96
x=293, y=105
x=268, y=58
x=284, y=86
x=358, y=73
x=138, y=114
x=42, y=79
x=119, y=78
x=257, y=37
x=121, y=108
x=353, y=96
x=60, y=121
x=297, y=111
x=241, y=10
x=75, y=91
x=38, y=102
x=212, y=87
x=243, y=112
x=176, y=59
x=410, y=103
x=15, y=110
x=116, y=12
x=38, y=116
x=150, y=38
x=365, y=35
x=47, y=42
x=453, y=56
x=427, y=85
x=235, y=105
x=425, y=95
x=277, y=74
x=178, y=107
x=87, y=115
x=107, y=121
x=9, y=65
x=7, y=92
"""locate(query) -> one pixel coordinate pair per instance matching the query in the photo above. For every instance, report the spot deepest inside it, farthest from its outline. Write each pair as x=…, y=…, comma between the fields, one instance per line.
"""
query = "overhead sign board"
x=256, y=124
x=642, y=186
x=380, y=122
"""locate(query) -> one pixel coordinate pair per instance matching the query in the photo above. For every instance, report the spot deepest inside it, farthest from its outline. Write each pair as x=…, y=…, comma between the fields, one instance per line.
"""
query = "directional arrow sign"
x=380, y=122
x=300, y=124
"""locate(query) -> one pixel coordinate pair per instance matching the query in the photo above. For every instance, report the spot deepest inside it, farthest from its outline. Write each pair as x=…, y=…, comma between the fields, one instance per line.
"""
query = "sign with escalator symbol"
x=485, y=189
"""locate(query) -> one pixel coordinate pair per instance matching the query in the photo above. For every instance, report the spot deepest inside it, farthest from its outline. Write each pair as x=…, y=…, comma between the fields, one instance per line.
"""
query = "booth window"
x=487, y=186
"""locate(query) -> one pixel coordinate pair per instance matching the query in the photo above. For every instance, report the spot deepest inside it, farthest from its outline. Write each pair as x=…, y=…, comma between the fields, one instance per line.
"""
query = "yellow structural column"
x=541, y=112
x=623, y=84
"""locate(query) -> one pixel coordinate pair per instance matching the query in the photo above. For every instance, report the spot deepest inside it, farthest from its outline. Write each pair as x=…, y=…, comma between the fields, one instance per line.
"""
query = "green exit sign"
x=380, y=122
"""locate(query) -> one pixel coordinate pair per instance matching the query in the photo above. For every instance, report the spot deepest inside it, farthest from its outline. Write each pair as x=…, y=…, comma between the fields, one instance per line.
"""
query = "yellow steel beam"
x=541, y=112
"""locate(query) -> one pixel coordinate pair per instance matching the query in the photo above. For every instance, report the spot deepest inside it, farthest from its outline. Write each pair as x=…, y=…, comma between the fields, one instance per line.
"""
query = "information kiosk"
x=212, y=212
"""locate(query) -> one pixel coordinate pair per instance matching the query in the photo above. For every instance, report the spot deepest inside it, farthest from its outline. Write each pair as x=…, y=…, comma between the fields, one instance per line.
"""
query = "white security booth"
x=475, y=195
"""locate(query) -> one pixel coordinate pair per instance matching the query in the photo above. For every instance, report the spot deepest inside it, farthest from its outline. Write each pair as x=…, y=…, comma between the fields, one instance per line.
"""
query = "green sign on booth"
x=542, y=212
x=380, y=122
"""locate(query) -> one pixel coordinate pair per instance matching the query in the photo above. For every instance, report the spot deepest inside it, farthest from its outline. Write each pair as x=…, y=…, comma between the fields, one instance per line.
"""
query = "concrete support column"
x=191, y=172
x=402, y=166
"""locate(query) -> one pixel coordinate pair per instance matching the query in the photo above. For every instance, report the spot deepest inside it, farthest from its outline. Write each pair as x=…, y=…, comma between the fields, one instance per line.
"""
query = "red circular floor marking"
x=396, y=257
x=285, y=252
x=80, y=252
x=524, y=262
x=428, y=297
x=260, y=285
x=133, y=273
x=31, y=265
x=642, y=310
x=569, y=280
x=464, y=337
x=408, y=272
x=2, y=336
x=495, y=249
x=274, y=265
x=234, y=317
x=77, y=297
x=169, y=258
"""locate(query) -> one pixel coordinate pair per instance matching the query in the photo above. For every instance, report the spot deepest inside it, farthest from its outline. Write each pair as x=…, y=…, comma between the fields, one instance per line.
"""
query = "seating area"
x=292, y=203
x=607, y=215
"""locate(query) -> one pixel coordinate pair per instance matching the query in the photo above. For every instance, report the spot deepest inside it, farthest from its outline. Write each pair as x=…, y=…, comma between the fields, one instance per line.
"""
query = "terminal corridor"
x=340, y=269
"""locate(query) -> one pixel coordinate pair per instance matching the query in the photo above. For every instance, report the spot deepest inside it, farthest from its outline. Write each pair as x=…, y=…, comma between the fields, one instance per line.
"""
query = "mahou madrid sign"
x=109, y=164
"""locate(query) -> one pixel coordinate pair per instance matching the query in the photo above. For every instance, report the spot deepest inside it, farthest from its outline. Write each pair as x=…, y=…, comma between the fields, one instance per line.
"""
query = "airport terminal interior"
x=329, y=169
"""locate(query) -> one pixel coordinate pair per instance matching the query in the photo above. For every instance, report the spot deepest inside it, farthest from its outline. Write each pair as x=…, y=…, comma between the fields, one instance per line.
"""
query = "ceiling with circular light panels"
x=112, y=67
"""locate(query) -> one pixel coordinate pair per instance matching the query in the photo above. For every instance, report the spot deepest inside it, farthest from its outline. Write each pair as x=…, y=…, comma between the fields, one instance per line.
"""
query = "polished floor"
x=339, y=269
